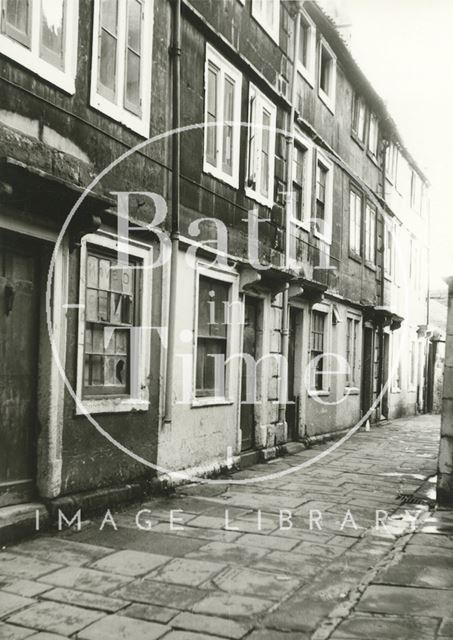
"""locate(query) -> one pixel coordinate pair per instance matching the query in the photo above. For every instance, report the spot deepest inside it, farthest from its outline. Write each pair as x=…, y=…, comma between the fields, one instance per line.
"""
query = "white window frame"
x=231, y=278
x=328, y=205
x=328, y=98
x=396, y=368
x=370, y=210
x=116, y=404
x=30, y=57
x=308, y=70
x=391, y=162
x=116, y=110
x=413, y=359
x=353, y=384
x=356, y=251
x=225, y=68
x=271, y=29
x=304, y=142
x=326, y=378
x=389, y=252
x=256, y=126
x=359, y=103
x=373, y=134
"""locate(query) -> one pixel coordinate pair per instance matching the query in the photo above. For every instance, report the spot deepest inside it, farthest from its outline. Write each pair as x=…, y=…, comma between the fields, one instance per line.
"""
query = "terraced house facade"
x=272, y=285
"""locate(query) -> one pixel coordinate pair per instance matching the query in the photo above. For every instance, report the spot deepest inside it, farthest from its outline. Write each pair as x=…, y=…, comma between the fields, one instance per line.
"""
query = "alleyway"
x=280, y=583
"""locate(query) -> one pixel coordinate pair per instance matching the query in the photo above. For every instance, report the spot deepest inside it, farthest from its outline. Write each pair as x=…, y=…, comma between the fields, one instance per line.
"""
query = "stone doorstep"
x=19, y=521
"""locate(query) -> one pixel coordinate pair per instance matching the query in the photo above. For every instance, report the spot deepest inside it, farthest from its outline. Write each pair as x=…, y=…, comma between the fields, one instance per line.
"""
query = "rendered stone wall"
x=445, y=463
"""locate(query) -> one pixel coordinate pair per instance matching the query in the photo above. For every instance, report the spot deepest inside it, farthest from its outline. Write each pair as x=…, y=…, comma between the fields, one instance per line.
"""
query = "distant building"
x=339, y=204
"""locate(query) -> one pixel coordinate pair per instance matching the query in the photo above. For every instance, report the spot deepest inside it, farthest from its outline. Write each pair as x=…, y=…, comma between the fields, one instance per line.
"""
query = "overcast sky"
x=406, y=49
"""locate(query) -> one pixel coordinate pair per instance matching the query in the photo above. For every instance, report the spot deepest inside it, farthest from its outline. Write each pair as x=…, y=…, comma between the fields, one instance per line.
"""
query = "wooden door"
x=294, y=367
x=19, y=330
x=248, y=379
x=367, y=370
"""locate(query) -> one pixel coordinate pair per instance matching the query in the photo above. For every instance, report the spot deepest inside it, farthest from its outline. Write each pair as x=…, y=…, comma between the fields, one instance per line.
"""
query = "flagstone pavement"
x=307, y=554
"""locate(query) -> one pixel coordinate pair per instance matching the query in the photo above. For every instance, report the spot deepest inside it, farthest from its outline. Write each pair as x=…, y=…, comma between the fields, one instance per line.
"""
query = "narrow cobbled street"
x=318, y=568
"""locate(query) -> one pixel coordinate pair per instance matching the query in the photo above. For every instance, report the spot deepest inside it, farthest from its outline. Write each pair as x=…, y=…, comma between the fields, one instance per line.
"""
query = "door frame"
x=262, y=348
x=51, y=373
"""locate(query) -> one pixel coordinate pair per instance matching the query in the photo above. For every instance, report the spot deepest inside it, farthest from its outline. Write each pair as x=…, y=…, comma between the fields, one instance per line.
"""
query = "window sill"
x=306, y=74
x=301, y=224
x=110, y=405
x=351, y=391
x=214, y=172
x=373, y=158
x=371, y=266
x=253, y=195
x=122, y=116
x=327, y=101
x=26, y=58
x=211, y=402
x=355, y=256
x=318, y=394
x=395, y=390
x=357, y=140
x=322, y=237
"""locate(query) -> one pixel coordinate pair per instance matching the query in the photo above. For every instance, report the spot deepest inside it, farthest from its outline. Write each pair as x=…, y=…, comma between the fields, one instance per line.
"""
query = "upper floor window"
x=373, y=135
x=416, y=193
x=41, y=35
x=261, y=148
x=391, y=162
x=121, y=61
x=307, y=48
x=222, y=115
x=327, y=75
x=370, y=233
x=324, y=188
x=267, y=13
x=388, y=250
x=359, y=118
x=302, y=172
x=355, y=222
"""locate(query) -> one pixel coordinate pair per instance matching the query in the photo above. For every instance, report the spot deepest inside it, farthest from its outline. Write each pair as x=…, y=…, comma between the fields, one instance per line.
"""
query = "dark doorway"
x=19, y=335
x=294, y=369
x=367, y=370
x=248, y=379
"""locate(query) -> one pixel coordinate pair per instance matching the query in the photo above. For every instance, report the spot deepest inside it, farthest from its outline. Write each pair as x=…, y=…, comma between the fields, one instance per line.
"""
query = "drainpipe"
x=289, y=185
x=385, y=144
x=175, y=200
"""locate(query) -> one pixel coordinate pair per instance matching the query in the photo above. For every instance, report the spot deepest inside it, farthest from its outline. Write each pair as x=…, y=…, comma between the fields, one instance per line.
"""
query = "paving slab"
x=10, y=602
x=232, y=605
x=53, y=616
x=83, y=599
x=11, y=632
x=60, y=551
x=130, y=563
x=263, y=584
x=228, y=553
x=420, y=571
x=122, y=628
x=160, y=593
x=151, y=612
x=187, y=571
x=223, y=627
x=25, y=588
x=446, y=627
x=379, y=627
x=415, y=601
x=26, y=567
x=85, y=579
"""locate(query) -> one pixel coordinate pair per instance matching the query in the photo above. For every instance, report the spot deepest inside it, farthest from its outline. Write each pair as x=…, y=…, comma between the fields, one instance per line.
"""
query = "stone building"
x=291, y=226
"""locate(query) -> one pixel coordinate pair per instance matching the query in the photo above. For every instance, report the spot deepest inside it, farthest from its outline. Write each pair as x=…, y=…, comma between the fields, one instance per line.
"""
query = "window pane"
x=326, y=64
x=107, y=62
x=211, y=131
x=52, y=31
x=303, y=44
x=265, y=148
x=108, y=48
x=212, y=308
x=133, y=79
x=17, y=20
x=207, y=350
x=133, y=25
x=109, y=15
x=228, y=116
